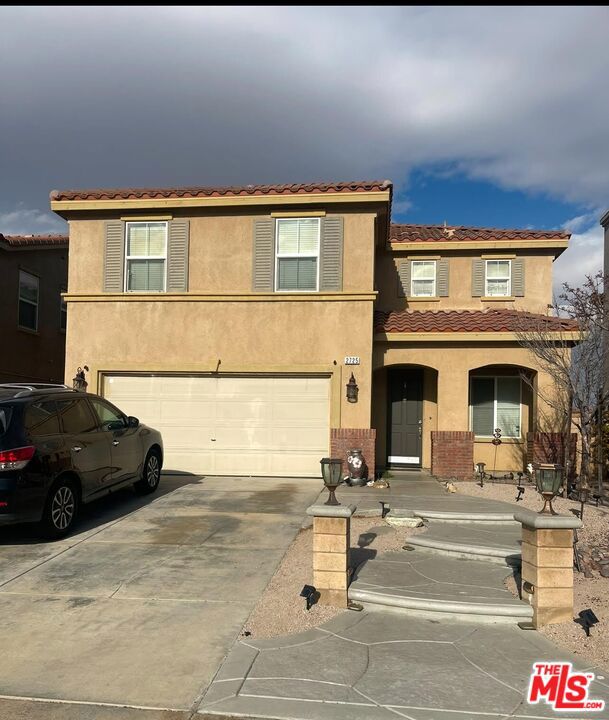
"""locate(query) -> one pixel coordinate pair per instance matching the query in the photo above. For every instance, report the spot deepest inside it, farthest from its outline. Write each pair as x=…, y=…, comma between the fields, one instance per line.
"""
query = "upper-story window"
x=63, y=312
x=146, y=257
x=498, y=278
x=28, y=301
x=423, y=278
x=297, y=254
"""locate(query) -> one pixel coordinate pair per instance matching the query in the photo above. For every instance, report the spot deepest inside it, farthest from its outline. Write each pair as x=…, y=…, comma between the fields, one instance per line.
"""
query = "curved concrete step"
x=424, y=583
x=497, y=518
x=480, y=541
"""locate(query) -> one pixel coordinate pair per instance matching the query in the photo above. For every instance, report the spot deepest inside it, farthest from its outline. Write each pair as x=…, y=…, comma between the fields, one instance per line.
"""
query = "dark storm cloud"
x=98, y=96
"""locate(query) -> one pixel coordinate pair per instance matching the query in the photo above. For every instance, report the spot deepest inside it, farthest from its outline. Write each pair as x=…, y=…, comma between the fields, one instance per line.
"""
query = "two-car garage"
x=231, y=425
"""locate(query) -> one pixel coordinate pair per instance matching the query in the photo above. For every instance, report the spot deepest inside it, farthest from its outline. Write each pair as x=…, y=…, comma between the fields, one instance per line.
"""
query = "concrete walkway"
x=437, y=639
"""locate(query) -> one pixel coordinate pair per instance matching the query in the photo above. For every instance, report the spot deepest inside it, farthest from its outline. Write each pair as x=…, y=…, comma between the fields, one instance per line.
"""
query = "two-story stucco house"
x=33, y=275
x=233, y=318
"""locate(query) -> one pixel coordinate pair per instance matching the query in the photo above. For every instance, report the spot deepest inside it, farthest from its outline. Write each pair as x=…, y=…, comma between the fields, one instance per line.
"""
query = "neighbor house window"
x=146, y=256
x=28, y=301
x=495, y=403
x=63, y=312
x=297, y=257
x=498, y=278
x=423, y=278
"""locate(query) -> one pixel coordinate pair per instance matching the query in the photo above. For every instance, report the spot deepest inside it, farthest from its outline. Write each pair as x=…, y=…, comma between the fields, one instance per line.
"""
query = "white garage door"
x=231, y=425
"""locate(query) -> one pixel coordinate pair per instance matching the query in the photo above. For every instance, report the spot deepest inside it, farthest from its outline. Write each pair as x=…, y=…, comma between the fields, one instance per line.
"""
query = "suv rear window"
x=76, y=417
x=5, y=417
x=41, y=419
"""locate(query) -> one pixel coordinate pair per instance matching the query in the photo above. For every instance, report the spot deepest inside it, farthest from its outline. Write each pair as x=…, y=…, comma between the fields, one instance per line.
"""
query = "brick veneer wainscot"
x=452, y=454
x=549, y=448
x=344, y=439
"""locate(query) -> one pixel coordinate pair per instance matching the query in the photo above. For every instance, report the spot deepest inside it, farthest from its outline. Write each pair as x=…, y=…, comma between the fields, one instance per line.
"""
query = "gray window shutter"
x=518, y=277
x=264, y=256
x=177, y=256
x=114, y=256
x=331, y=256
x=477, y=278
x=442, y=279
x=404, y=279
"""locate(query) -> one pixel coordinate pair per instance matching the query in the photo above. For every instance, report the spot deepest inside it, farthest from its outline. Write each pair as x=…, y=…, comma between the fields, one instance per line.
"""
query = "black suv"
x=60, y=448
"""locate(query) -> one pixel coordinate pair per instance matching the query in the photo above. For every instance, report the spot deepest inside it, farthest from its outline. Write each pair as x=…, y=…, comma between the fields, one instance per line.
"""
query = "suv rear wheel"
x=60, y=510
x=151, y=474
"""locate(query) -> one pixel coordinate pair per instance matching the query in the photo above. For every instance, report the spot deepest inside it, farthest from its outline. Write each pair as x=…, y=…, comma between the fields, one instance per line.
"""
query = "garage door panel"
x=262, y=425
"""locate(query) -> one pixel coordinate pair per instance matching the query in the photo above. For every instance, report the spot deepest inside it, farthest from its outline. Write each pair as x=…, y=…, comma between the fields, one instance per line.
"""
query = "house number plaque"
x=351, y=360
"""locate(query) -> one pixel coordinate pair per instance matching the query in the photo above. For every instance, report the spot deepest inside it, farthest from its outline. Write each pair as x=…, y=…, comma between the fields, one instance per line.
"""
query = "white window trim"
x=29, y=302
x=471, y=407
x=145, y=257
x=279, y=255
x=508, y=278
x=412, y=278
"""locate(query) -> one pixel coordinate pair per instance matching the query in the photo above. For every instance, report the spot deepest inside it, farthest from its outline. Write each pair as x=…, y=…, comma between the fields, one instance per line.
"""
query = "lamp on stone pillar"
x=548, y=478
x=331, y=469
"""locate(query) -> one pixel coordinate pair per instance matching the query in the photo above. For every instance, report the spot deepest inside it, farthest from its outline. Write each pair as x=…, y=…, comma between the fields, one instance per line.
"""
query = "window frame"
x=471, y=406
x=508, y=278
x=113, y=408
x=63, y=311
x=279, y=256
x=128, y=257
x=435, y=278
x=29, y=302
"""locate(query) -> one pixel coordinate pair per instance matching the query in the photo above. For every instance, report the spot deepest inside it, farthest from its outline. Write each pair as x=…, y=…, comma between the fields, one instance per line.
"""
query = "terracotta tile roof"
x=33, y=240
x=192, y=192
x=439, y=233
x=449, y=321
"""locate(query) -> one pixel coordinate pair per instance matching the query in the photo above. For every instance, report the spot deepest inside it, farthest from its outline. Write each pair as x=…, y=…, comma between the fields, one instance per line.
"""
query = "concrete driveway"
x=140, y=606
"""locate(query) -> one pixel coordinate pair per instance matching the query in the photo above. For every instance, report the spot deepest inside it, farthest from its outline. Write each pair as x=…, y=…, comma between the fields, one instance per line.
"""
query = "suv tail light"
x=16, y=459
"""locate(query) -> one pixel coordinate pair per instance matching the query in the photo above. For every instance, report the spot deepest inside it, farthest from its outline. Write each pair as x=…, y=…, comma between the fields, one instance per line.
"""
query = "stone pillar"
x=547, y=565
x=331, y=542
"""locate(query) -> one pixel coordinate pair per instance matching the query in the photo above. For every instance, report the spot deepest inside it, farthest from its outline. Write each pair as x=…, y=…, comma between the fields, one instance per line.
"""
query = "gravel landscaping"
x=281, y=610
x=589, y=592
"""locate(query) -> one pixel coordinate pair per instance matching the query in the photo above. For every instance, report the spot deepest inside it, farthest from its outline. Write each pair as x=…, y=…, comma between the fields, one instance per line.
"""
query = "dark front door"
x=405, y=418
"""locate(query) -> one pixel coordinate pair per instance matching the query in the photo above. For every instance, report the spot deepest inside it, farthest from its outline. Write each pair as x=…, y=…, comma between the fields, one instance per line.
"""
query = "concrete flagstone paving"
x=377, y=666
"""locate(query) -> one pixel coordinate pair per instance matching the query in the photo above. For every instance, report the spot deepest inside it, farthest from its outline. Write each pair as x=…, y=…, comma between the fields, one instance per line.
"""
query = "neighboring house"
x=233, y=318
x=34, y=272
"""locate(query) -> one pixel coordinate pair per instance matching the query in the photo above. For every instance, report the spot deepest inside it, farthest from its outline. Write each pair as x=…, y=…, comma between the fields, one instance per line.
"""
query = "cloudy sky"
x=494, y=117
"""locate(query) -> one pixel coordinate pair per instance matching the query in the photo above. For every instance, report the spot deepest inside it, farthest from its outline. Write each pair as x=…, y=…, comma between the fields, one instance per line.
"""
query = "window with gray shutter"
x=177, y=256
x=442, y=279
x=298, y=242
x=331, y=261
x=264, y=255
x=518, y=277
x=478, y=277
x=404, y=279
x=146, y=257
x=114, y=253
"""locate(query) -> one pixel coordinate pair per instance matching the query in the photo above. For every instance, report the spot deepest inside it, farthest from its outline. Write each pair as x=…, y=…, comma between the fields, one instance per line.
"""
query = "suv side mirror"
x=133, y=422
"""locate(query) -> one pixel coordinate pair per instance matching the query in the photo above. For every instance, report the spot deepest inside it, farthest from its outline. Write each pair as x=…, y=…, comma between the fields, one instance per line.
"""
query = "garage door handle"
x=115, y=442
x=77, y=448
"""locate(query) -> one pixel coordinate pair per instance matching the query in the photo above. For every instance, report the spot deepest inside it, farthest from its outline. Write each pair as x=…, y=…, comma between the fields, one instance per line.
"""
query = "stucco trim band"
x=220, y=297
x=423, y=337
x=223, y=201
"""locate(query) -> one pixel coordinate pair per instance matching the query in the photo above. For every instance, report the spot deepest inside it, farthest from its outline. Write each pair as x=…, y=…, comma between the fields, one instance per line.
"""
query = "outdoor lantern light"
x=331, y=469
x=78, y=381
x=352, y=389
x=548, y=478
x=584, y=494
x=481, y=473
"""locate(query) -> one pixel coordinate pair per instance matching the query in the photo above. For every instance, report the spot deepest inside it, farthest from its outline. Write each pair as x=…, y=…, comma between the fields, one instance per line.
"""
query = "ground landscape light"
x=331, y=470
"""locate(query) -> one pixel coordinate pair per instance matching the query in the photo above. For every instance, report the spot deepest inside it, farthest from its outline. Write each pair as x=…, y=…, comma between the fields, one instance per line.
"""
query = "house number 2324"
x=351, y=360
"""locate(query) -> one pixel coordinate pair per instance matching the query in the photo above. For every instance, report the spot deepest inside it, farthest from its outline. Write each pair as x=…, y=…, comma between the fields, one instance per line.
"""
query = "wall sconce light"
x=352, y=389
x=78, y=381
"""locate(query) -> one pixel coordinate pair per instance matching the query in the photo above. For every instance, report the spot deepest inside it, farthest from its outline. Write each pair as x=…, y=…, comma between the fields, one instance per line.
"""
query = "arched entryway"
x=404, y=412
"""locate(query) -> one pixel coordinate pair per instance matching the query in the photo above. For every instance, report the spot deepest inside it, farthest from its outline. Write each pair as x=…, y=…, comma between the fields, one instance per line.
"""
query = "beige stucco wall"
x=261, y=337
x=221, y=252
x=453, y=363
x=538, y=282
